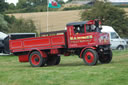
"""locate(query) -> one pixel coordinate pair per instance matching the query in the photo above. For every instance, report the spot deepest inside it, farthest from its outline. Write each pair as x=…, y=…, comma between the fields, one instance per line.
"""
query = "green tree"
x=10, y=24
x=38, y=2
x=60, y=2
x=21, y=26
x=69, y=1
x=22, y=4
x=11, y=6
x=109, y=15
x=32, y=3
x=3, y=6
x=3, y=24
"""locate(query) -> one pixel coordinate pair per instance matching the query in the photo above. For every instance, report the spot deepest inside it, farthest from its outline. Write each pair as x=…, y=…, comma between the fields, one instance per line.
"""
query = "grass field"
x=71, y=71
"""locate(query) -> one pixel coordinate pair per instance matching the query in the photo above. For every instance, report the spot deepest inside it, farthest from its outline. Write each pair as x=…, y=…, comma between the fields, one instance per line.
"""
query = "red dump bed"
x=47, y=42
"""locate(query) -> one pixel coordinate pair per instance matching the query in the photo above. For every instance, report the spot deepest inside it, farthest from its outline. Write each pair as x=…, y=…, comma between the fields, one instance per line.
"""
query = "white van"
x=115, y=40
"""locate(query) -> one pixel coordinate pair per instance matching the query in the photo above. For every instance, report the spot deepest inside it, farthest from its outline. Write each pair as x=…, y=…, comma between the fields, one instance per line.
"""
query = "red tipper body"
x=28, y=44
x=76, y=39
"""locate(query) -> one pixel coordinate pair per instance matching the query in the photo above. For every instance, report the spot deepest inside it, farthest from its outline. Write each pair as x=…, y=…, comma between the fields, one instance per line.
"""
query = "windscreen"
x=79, y=29
x=114, y=35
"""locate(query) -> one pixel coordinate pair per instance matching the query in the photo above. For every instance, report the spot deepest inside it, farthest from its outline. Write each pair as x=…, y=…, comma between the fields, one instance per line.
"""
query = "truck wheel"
x=53, y=60
x=120, y=47
x=57, y=60
x=106, y=58
x=90, y=57
x=36, y=60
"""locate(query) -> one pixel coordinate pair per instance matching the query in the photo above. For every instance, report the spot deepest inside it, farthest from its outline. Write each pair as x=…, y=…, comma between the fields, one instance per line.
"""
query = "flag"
x=53, y=4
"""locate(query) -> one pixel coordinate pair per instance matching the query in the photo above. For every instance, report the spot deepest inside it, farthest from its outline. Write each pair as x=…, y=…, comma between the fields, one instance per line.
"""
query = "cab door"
x=115, y=40
x=77, y=36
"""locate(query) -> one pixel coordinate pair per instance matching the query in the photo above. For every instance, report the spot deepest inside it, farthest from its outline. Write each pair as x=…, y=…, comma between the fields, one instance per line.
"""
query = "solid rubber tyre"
x=36, y=60
x=58, y=60
x=120, y=47
x=106, y=58
x=53, y=60
x=90, y=57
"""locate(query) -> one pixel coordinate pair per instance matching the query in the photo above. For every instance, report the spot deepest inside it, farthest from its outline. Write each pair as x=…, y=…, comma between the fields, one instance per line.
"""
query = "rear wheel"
x=53, y=60
x=106, y=58
x=36, y=60
x=90, y=57
x=57, y=60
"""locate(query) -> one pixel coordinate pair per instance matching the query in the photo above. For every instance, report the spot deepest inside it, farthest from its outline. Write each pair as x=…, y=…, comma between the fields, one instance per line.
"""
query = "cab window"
x=92, y=28
x=114, y=35
x=79, y=29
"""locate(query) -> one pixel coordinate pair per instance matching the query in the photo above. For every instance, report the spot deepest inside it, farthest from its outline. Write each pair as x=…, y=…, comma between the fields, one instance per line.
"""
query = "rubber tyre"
x=106, y=58
x=90, y=57
x=53, y=60
x=36, y=60
x=58, y=60
x=120, y=47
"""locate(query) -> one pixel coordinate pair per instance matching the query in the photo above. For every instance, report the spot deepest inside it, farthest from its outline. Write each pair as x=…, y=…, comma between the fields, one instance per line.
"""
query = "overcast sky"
x=15, y=1
x=12, y=1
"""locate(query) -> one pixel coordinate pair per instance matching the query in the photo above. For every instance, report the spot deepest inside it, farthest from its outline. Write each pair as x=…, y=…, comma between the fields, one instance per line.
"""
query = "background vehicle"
x=4, y=46
x=81, y=38
x=4, y=39
x=115, y=40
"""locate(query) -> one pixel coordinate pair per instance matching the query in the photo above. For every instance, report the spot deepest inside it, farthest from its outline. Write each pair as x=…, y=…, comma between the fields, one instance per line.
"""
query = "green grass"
x=71, y=71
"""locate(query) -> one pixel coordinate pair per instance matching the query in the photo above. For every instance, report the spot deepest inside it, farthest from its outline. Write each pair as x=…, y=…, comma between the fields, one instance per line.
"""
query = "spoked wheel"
x=90, y=57
x=53, y=60
x=36, y=60
x=106, y=58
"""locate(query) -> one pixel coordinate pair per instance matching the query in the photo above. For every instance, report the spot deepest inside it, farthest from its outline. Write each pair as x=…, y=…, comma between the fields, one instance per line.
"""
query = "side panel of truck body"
x=47, y=42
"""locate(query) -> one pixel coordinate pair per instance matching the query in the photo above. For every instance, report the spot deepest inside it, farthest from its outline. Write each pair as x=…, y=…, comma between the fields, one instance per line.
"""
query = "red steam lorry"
x=81, y=38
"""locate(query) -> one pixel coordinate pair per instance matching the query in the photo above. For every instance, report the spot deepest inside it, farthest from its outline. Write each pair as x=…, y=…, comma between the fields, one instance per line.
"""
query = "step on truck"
x=84, y=39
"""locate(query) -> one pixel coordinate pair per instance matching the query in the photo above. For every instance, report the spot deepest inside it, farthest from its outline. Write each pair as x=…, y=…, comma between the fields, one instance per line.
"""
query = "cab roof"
x=77, y=23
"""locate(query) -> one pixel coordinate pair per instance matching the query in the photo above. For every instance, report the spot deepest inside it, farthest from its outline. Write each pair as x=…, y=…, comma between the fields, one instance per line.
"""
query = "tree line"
x=109, y=15
x=9, y=24
x=24, y=6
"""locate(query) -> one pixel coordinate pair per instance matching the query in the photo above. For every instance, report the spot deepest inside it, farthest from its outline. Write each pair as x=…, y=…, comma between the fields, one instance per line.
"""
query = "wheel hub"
x=36, y=59
x=89, y=57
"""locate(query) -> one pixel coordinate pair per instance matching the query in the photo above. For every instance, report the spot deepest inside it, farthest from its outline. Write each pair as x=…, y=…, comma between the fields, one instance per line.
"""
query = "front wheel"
x=90, y=57
x=106, y=58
